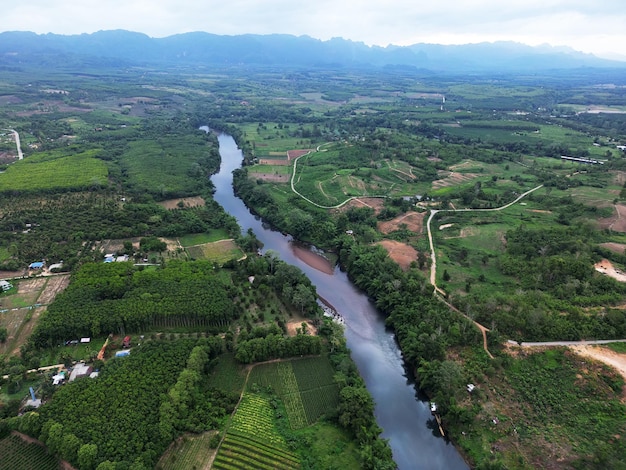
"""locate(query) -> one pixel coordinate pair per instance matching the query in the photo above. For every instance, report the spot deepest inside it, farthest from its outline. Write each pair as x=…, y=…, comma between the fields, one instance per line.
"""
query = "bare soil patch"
x=401, y=253
x=31, y=285
x=312, y=259
x=26, y=328
x=270, y=161
x=606, y=267
x=291, y=154
x=414, y=222
x=614, y=247
x=451, y=178
x=54, y=286
x=616, y=223
x=271, y=177
x=12, y=274
x=372, y=202
x=113, y=246
x=195, y=201
x=605, y=355
x=294, y=325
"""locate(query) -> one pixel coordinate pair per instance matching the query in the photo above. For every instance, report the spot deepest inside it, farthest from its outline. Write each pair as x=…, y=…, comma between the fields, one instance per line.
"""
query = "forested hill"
x=129, y=48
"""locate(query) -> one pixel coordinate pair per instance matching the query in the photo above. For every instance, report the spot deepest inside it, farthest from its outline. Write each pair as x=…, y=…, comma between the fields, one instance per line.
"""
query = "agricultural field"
x=188, y=452
x=17, y=454
x=55, y=171
x=306, y=387
x=245, y=450
x=228, y=374
x=253, y=440
x=219, y=251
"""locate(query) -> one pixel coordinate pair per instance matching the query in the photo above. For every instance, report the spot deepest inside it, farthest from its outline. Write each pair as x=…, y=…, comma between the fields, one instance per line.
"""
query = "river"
x=404, y=417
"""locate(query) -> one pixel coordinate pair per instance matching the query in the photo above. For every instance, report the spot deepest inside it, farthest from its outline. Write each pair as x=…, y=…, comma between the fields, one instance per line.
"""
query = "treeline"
x=192, y=405
x=356, y=407
x=425, y=327
x=117, y=417
x=275, y=346
x=108, y=298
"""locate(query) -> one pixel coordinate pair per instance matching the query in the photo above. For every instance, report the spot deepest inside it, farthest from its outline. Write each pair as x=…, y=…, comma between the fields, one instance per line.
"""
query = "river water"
x=404, y=417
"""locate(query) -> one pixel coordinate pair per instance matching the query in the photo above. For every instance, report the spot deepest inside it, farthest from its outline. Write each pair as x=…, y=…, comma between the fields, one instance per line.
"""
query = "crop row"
x=319, y=401
x=245, y=440
x=194, y=452
x=313, y=372
x=19, y=455
x=256, y=417
x=271, y=375
x=291, y=398
x=240, y=451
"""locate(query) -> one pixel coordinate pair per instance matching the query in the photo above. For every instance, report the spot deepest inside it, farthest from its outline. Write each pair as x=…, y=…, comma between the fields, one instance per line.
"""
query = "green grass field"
x=201, y=238
x=219, y=252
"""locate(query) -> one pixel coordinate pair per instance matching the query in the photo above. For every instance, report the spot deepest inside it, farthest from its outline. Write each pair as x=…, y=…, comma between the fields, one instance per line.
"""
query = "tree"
x=356, y=408
x=87, y=455
x=302, y=297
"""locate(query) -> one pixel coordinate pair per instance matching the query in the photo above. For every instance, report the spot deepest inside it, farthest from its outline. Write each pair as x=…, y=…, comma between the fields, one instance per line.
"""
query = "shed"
x=80, y=370
x=36, y=265
x=126, y=342
x=122, y=353
x=5, y=285
x=85, y=340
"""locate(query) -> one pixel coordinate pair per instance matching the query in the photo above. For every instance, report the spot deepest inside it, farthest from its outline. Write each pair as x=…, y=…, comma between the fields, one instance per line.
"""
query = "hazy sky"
x=596, y=26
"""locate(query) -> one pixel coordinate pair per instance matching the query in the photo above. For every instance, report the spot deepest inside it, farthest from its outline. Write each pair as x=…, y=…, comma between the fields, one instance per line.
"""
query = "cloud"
x=582, y=24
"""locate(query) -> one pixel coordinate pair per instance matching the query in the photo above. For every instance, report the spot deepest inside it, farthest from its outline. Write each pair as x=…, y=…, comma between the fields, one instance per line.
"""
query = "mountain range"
x=125, y=48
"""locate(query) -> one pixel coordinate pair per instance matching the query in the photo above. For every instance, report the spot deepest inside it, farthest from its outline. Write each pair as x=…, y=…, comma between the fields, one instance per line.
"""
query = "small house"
x=5, y=285
x=122, y=353
x=36, y=265
x=126, y=342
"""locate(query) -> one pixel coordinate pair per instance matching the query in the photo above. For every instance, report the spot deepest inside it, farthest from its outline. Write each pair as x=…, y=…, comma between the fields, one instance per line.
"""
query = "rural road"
x=20, y=155
x=293, y=188
x=55, y=366
x=564, y=343
x=433, y=257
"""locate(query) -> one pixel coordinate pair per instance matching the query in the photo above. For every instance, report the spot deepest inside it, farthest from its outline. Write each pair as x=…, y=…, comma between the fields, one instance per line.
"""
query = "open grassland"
x=202, y=238
x=17, y=454
x=54, y=171
x=219, y=251
x=270, y=138
x=188, y=452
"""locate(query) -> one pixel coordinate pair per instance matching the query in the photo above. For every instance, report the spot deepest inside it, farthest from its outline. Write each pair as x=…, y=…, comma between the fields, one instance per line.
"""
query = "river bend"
x=402, y=414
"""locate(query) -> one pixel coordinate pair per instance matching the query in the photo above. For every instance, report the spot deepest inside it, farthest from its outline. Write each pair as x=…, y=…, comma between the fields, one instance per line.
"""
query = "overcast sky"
x=595, y=26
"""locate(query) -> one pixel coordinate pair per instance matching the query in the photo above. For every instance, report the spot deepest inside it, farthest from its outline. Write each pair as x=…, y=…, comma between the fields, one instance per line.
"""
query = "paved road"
x=55, y=366
x=20, y=155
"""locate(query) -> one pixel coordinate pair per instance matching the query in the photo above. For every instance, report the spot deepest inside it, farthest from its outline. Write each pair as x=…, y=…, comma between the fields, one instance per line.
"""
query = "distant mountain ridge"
x=131, y=48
